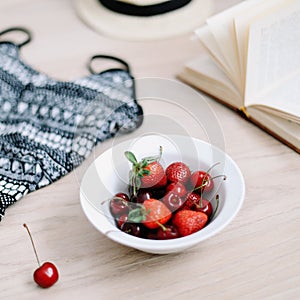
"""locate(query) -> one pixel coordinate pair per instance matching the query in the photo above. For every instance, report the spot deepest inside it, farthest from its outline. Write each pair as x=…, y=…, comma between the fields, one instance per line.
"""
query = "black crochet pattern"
x=48, y=127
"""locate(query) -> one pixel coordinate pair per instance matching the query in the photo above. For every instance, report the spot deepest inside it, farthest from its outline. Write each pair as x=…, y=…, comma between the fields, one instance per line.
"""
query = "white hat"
x=187, y=16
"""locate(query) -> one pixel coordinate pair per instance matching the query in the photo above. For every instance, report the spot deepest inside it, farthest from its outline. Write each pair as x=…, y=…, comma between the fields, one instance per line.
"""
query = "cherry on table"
x=46, y=274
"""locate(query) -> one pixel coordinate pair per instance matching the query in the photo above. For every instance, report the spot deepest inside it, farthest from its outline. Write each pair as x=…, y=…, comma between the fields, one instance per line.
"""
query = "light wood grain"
x=256, y=257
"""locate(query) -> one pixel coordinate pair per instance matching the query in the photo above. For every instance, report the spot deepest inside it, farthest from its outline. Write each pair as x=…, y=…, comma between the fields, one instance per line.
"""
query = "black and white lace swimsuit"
x=48, y=127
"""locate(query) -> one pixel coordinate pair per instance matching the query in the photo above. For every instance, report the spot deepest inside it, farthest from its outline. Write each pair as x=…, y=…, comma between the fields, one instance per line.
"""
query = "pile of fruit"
x=163, y=203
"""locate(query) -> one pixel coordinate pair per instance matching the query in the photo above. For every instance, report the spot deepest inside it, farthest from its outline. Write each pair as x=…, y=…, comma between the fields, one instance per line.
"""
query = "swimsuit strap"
x=119, y=60
x=20, y=29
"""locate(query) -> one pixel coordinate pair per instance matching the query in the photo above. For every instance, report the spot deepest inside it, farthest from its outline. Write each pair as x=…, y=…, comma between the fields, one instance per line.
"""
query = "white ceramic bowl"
x=108, y=174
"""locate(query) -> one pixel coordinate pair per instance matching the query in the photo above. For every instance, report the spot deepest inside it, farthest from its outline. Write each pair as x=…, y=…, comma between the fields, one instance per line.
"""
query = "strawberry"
x=152, y=213
x=148, y=173
x=189, y=221
x=157, y=213
x=156, y=177
x=178, y=172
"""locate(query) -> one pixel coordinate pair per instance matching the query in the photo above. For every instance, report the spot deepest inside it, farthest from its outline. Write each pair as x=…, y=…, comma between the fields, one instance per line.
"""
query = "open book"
x=252, y=64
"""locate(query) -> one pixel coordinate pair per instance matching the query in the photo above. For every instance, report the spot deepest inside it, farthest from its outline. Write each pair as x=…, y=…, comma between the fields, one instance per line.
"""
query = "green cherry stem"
x=207, y=181
x=211, y=167
x=201, y=186
x=161, y=225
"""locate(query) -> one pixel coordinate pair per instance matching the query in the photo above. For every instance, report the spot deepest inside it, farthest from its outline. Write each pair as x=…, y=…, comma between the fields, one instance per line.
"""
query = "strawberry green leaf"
x=131, y=157
x=144, y=163
x=136, y=215
x=146, y=172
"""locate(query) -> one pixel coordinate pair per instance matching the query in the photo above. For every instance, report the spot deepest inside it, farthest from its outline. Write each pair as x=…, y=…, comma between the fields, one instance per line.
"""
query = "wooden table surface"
x=257, y=256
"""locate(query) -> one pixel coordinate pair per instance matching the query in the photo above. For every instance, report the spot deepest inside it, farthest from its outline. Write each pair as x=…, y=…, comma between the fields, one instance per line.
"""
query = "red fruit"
x=143, y=195
x=118, y=206
x=157, y=213
x=191, y=201
x=188, y=221
x=167, y=232
x=178, y=172
x=123, y=196
x=172, y=201
x=121, y=220
x=46, y=275
x=147, y=173
x=201, y=181
x=158, y=193
x=176, y=188
x=162, y=183
x=205, y=207
x=132, y=229
x=156, y=177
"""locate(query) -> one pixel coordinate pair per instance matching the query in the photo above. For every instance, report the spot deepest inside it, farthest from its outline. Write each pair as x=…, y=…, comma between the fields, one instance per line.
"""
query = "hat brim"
x=162, y=26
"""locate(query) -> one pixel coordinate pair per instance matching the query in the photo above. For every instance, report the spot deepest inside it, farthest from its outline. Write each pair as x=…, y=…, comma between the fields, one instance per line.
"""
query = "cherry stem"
x=224, y=177
x=217, y=206
x=206, y=181
x=37, y=258
x=201, y=186
x=161, y=225
x=212, y=167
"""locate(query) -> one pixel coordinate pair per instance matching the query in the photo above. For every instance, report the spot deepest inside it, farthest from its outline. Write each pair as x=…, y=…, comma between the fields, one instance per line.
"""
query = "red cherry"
x=123, y=196
x=118, y=206
x=134, y=229
x=201, y=181
x=167, y=232
x=205, y=207
x=191, y=200
x=46, y=274
x=143, y=195
x=177, y=188
x=173, y=201
x=158, y=193
x=121, y=220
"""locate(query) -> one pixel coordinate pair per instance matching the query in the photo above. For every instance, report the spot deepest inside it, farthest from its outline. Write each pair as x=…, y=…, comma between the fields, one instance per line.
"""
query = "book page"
x=242, y=23
x=222, y=28
x=274, y=60
x=286, y=129
x=284, y=99
x=205, y=75
x=208, y=41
